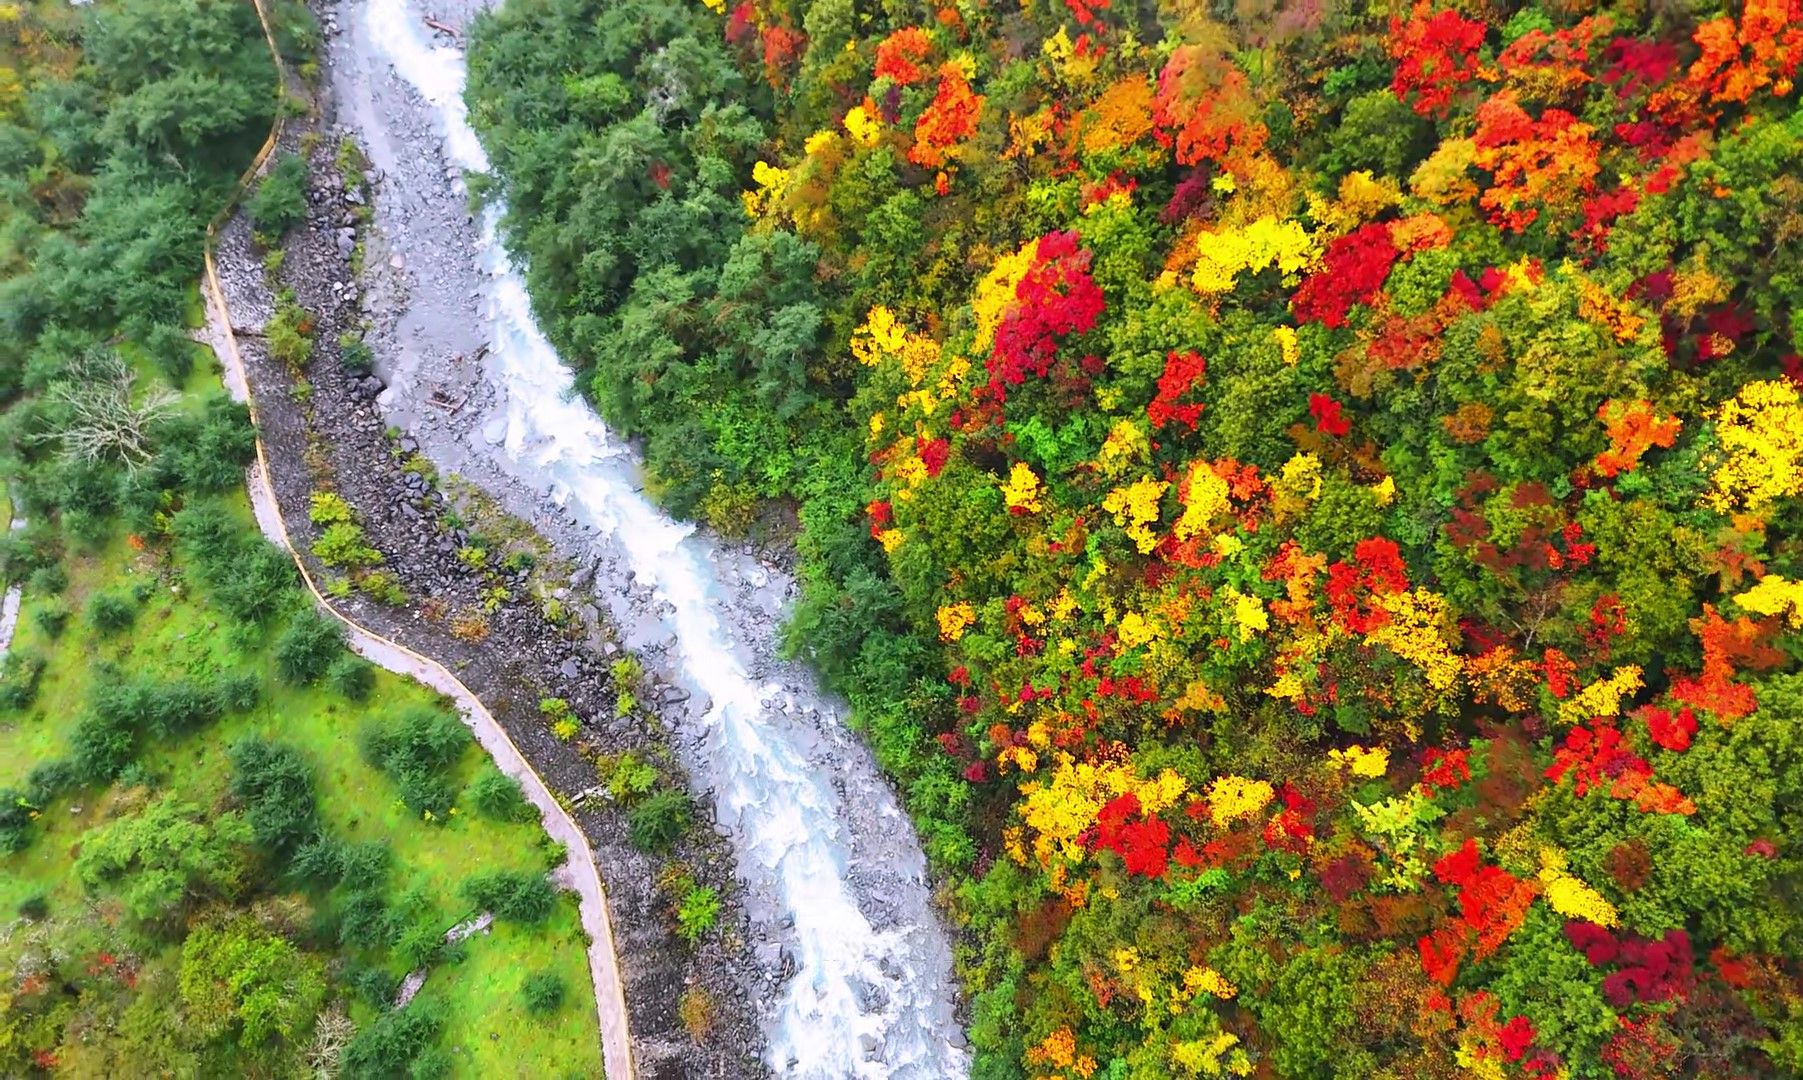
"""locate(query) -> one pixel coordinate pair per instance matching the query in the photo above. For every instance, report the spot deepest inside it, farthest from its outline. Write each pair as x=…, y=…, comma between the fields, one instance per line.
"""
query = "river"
x=835, y=883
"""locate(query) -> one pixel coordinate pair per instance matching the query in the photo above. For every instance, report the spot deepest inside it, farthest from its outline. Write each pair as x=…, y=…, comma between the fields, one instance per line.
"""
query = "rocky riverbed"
x=514, y=633
x=850, y=969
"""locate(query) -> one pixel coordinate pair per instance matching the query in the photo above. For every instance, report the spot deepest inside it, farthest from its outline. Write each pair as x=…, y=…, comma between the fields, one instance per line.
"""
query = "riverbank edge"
x=627, y=1041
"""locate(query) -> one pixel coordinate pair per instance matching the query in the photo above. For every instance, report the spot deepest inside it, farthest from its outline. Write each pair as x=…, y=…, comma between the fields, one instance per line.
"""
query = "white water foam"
x=784, y=812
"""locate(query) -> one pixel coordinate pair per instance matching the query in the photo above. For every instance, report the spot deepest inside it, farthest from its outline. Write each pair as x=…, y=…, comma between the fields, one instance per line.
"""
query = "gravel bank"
x=323, y=430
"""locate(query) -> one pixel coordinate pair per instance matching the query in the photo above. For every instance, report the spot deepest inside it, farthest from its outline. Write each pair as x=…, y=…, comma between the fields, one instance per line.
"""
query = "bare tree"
x=103, y=418
x=332, y=1032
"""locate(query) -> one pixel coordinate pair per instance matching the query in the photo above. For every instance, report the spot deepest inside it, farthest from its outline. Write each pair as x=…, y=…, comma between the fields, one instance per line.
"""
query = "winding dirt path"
x=579, y=872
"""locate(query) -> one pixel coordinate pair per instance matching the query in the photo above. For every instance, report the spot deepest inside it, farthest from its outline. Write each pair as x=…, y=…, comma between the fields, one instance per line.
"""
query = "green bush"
x=100, y=747
x=48, y=779
x=345, y=545
x=420, y=944
x=171, y=350
x=17, y=813
x=20, y=674
x=542, y=992
x=48, y=580
x=382, y=587
x=111, y=613
x=239, y=693
x=355, y=354
x=696, y=913
x=280, y=201
x=393, y=1043
x=498, y=797
x=162, y=709
x=352, y=676
x=275, y=783
x=512, y=895
x=418, y=749
x=53, y=617
x=630, y=777
x=247, y=577
x=657, y=823
x=308, y=647
x=290, y=334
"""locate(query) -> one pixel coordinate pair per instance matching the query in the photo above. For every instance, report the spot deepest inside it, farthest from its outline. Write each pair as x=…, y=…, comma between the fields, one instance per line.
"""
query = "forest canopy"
x=1303, y=497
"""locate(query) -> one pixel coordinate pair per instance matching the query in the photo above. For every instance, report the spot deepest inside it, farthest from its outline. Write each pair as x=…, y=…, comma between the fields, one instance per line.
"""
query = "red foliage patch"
x=900, y=55
x=1329, y=418
x=1182, y=373
x=1056, y=298
x=1353, y=270
x=1435, y=54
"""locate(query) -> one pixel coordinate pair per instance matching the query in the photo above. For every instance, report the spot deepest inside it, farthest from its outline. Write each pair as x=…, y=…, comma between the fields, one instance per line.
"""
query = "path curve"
x=580, y=870
x=9, y=608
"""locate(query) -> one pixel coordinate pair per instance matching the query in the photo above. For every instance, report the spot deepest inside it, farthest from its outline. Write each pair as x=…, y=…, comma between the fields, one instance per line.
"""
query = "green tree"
x=240, y=982
x=165, y=858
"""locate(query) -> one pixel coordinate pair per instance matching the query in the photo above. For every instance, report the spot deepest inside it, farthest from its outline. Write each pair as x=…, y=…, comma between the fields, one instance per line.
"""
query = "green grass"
x=194, y=308
x=177, y=635
x=486, y=1022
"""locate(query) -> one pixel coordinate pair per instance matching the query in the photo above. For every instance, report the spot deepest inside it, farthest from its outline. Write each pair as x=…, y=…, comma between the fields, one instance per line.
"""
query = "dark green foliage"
x=275, y=783
x=136, y=144
x=37, y=547
x=374, y=985
x=16, y=816
x=513, y=895
x=172, y=350
x=657, y=822
x=365, y=920
x=542, y=992
x=161, y=710
x=497, y=796
x=110, y=613
x=699, y=331
x=53, y=617
x=417, y=749
x=123, y=712
x=393, y=1043
x=318, y=860
x=420, y=944
x=245, y=575
x=209, y=454
x=355, y=354
x=308, y=646
x=35, y=908
x=352, y=676
x=238, y=693
x=48, y=779
x=48, y=580
x=364, y=865
x=100, y=747
x=280, y=201
x=19, y=677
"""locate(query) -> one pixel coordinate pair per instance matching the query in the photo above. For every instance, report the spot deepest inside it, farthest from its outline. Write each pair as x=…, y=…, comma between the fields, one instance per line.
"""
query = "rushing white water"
x=783, y=811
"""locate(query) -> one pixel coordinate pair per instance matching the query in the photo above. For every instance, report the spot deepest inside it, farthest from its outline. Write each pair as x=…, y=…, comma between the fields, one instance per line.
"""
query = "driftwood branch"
x=446, y=28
